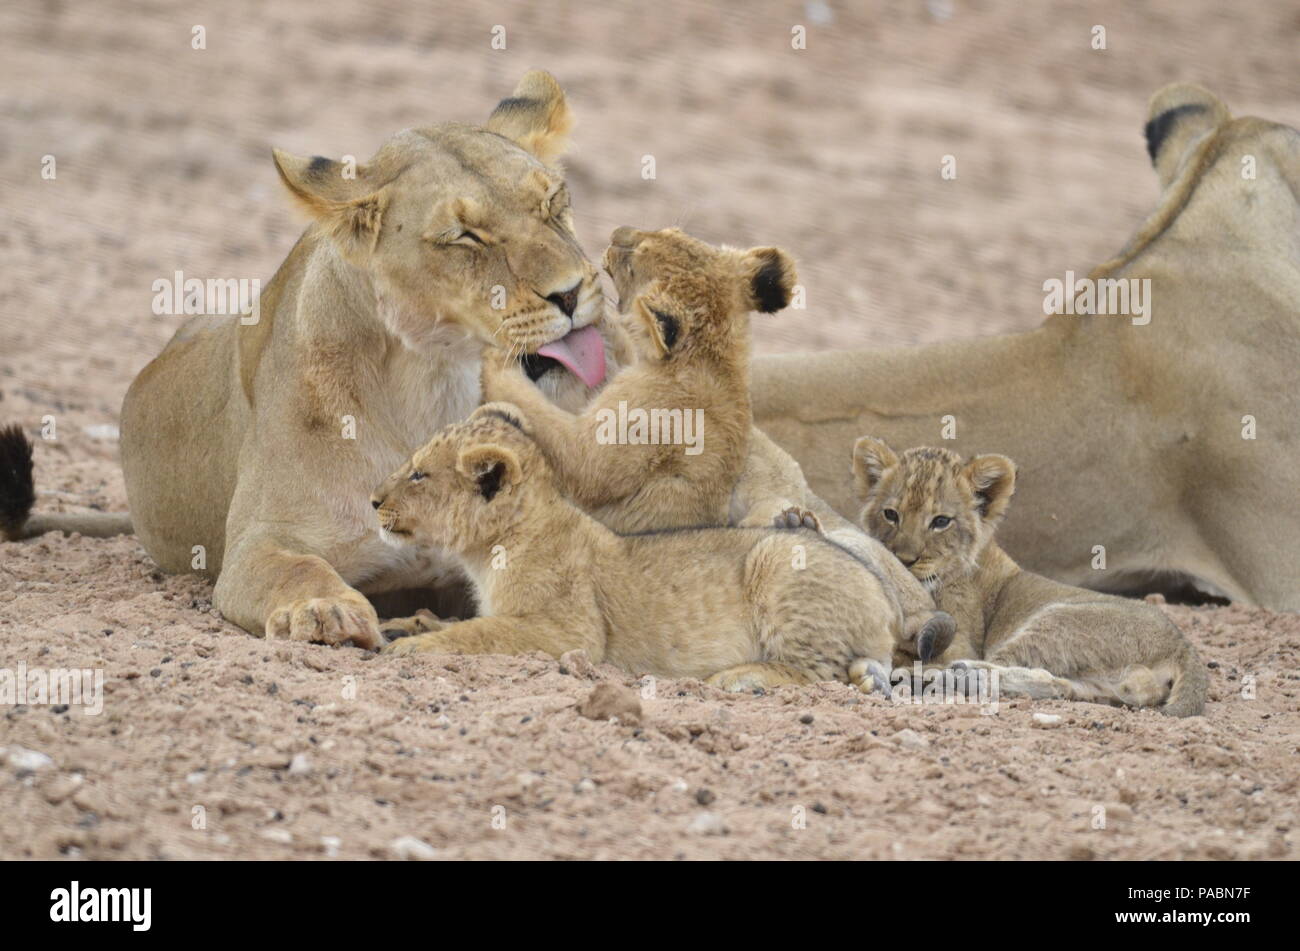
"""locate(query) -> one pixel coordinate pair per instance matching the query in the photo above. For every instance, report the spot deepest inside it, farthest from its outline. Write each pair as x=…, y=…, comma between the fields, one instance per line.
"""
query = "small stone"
x=411, y=849
x=282, y=836
x=806, y=719
x=707, y=823
x=612, y=700
x=1047, y=719
x=911, y=740
x=585, y=785
x=27, y=761
x=61, y=787
x=704, y=796
x=300, y=765
x=330, y=845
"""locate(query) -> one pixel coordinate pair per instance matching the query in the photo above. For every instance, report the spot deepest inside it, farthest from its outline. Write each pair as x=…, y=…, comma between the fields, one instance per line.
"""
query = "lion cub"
x=665, y=442
x=742, y=607
x=938, y=513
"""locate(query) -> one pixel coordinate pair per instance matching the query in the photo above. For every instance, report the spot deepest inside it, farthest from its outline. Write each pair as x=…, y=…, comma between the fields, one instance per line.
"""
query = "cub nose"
x=909, y=562
x=375, y=501
x=567, y=301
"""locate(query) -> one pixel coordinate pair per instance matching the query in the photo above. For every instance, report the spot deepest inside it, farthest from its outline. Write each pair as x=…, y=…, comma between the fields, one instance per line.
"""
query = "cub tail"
x=18, y=498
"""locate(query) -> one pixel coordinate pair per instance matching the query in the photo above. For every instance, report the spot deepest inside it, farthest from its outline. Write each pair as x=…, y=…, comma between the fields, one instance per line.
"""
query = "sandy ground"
x=215, y=744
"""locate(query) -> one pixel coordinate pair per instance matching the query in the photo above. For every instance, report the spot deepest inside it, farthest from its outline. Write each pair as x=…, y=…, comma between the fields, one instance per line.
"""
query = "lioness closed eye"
x=938, y=513
x=743, y=607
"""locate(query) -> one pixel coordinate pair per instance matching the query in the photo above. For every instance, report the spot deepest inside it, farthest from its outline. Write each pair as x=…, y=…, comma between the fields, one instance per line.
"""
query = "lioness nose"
x=567, y=301
x=908, y=562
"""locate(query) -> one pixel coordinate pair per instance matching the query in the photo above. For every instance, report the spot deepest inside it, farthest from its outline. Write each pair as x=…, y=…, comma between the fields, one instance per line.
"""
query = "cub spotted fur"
x=938, y=513
x=743, y=607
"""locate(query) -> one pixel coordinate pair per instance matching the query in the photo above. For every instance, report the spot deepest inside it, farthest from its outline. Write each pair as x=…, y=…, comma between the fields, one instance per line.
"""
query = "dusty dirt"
x=833, y=152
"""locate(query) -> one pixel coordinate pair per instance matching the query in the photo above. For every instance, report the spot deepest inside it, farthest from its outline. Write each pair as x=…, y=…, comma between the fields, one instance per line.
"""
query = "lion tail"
x=18, y=498
x=1191, y=685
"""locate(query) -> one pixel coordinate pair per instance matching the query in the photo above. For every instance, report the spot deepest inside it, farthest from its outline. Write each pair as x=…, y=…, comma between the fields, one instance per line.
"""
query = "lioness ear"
x=1179, y=114
x=536, y=117
x=872, y=457
x=491, y=466
x=770, y=276
x=337, y=195
x=994, y=480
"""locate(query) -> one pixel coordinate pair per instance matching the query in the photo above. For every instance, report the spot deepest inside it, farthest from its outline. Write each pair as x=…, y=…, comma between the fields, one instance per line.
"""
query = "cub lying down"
x=742, y=607
x=938, y=514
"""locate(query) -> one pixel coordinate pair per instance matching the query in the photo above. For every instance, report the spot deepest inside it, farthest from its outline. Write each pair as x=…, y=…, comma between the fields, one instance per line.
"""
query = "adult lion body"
x=1128, y=436
x=262, y=442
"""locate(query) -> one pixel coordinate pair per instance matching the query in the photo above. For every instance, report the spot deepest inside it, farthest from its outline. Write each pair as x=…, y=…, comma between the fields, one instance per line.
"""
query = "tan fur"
x=235, y=438
x=1133, y=433
x=687, y=305
x=744, y=607
x=938, y=514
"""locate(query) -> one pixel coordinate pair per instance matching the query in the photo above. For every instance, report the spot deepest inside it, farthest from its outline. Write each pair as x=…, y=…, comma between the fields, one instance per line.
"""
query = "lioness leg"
x=757, y=676
x=264, y=587
x=503, y=635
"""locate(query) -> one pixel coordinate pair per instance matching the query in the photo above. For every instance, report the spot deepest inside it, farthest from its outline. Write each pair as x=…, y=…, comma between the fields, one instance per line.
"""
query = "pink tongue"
x=582, y=351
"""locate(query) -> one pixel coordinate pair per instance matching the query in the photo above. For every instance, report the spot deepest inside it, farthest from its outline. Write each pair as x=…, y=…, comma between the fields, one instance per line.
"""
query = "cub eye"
x=890, y=516
x=940, y=521
x=416, y=476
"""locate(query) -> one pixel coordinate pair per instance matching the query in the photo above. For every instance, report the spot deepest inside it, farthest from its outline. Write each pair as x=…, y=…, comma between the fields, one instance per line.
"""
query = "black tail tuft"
x=17, y=486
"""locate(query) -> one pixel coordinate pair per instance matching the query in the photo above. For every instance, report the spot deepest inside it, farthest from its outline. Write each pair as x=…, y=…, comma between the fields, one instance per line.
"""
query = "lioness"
x=262, y=442
x=743, y=607
x=938, y=514
x=1171, y=444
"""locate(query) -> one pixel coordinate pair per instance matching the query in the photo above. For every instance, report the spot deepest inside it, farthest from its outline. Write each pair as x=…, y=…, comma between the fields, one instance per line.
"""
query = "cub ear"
x=872, y=458
x=505, y=412
x=664, y=328
x=536, y=117
x=994, y=480
x=1178, y=115
x=340, y=197
x=491, y=466
x=770, y=278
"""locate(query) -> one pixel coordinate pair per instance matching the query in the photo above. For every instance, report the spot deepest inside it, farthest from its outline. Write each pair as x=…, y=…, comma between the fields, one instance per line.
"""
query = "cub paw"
x=797, y=517
x=421, y=622
x=415, y=644
x=935, y=636
x=870, y=676
x=327, y=621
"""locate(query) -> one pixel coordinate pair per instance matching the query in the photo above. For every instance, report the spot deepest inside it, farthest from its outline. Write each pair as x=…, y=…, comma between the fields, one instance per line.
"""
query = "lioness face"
x=929, y=507
x=466, y=232
x=684, y=295
x=462, y=490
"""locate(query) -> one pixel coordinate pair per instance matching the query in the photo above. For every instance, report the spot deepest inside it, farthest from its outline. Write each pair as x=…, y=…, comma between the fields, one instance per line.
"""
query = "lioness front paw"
x=797, y=517
x=327, y=621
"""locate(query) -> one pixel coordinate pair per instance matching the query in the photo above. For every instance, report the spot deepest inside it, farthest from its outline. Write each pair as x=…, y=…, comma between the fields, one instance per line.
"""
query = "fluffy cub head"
x=932, y=509
x=685, y=298
x=467, y=486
